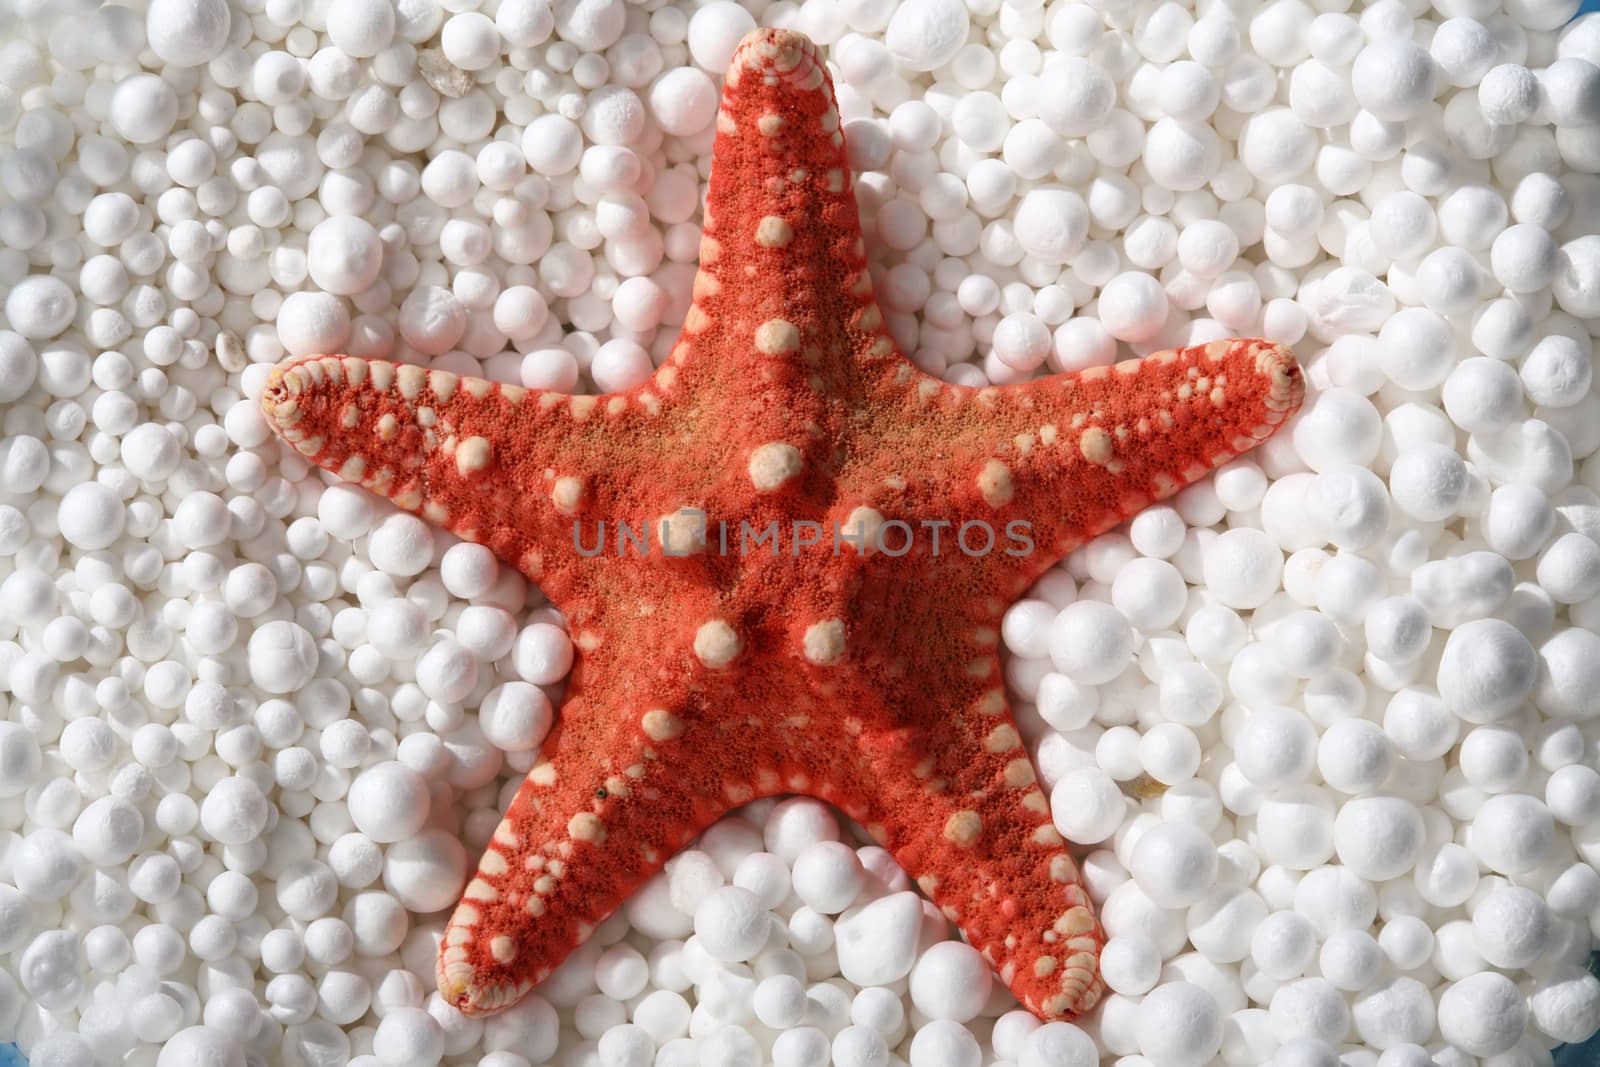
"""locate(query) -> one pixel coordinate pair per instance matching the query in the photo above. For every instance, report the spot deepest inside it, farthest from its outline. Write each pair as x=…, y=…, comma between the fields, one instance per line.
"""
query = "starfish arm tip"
x=504, y=466
x=590, y=824
x=1074, y=455
x=969, y=820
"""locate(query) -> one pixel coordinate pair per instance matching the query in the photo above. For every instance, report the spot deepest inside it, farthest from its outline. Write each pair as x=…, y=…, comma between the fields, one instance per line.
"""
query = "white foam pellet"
x=144, y=108
x=877, y=942
x=1566, y=1004
x=1179, y=1025
x=1052, y=224
x=950, y=981
x=187, y=33
x=1512, y=833
x=731, y=924
x=925, y=34
x=234, y=811
x=827, y=876
x=1378, y=838
x=1090, y=642
x=426, y=872
x=201, y=1044
x=1482, y=1014
x=388, y=802
x=1174, y=863
x=40, y=306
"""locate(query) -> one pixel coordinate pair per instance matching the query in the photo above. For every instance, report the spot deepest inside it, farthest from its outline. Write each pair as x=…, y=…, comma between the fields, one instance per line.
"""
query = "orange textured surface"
x=870, y=679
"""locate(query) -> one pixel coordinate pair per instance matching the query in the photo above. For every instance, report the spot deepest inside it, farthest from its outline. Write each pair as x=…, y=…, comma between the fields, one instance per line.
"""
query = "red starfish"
x=868, y=678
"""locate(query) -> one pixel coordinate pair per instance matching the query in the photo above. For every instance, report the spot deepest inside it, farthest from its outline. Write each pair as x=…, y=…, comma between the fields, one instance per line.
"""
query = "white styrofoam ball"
x=1276, y=746
x=344, y=254
x=1057, y=1044
x=731, y=924
x=1076, y=95
x=1378, y=838
x=1130, y=964
x=389, y=802
x=235, y=810
x=362, y=28
x=950, y=981
x=1091, y=642
x=1175, y=864
x=1483, y=1014
x=1052, y=224
x=1512, y=833
x=1179, y=1025
x=1557, y=372
x=516, y=716
x=1487, y=670
x=1566, y=1004
x=1242, y=567
x=1087, y=806
x=927, y=34
x=425, y=872
x=827, y=876
x=1511, y=927
x=200, y=1046
x=187, y=33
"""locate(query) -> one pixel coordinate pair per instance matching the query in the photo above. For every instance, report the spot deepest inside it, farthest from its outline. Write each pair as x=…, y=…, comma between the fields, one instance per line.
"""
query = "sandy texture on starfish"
x=867, y=676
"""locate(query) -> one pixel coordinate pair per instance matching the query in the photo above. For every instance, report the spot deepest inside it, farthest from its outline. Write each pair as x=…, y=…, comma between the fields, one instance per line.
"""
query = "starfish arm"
x=508, y=467
x=611, y=799
x=1074, y=455
x=783, y=283
x=961, y=812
